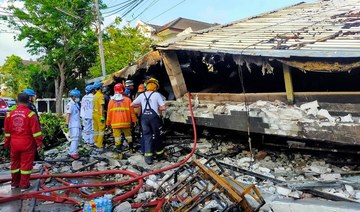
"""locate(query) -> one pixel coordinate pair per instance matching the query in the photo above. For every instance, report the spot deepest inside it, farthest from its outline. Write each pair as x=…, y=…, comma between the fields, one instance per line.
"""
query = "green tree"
x=14, y=75
x=121, y=47
x=61, y=31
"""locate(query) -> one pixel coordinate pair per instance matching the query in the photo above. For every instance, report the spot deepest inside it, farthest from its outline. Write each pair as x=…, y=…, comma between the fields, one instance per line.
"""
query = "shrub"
x=51, y=128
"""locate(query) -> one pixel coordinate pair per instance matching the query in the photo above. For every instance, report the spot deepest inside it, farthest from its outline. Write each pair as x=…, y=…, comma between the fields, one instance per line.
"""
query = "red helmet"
x=119, y=88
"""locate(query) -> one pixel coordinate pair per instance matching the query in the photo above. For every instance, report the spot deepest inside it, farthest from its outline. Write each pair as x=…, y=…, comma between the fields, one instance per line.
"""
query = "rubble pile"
x=297, y=172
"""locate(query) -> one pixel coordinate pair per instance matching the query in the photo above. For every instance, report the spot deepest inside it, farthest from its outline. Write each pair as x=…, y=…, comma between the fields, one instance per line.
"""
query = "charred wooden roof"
x=321, y=29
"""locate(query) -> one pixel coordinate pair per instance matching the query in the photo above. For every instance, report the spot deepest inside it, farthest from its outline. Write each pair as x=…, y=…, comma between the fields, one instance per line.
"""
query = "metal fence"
x=47, y=105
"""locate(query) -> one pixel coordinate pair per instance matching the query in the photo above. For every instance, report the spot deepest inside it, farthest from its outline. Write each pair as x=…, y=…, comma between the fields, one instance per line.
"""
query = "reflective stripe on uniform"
x=119, y=108
x=121, y=124
x=100, y=133
x=31, y=114
x=148, y=154
x=128, y=137
x=25, y=172
x=7, y=134
x=14, y=171
x=117, y=139
x=37, y=134
x=160, y=152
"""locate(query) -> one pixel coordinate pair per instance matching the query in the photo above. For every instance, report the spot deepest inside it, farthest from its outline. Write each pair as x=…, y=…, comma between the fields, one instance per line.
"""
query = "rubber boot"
x=119, y=153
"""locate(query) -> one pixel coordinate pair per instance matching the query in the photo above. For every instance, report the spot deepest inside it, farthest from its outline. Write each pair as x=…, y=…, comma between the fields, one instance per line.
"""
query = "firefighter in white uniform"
x=86, y=114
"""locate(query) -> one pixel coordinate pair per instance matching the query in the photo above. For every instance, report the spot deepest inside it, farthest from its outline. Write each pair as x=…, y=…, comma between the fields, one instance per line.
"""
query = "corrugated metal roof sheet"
x=321, y=29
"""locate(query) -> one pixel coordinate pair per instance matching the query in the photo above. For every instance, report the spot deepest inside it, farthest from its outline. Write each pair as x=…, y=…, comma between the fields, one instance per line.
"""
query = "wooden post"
x=173, y=69
x=288, y=84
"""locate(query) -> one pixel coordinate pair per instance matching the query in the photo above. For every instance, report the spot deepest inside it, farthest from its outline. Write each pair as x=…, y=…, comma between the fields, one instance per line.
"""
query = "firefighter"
x=73, y=122
x=23, y=135
x=151, y=103
x=99, y=117
x=129, y=89
x=121, y=117
x=86, y=114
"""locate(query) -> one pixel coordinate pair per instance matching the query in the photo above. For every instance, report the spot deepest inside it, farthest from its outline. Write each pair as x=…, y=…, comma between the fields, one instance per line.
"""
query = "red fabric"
x=24, y=135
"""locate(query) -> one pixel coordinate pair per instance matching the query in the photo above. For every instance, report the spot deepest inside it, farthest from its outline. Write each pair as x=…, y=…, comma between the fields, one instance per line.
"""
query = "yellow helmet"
x=152, y=80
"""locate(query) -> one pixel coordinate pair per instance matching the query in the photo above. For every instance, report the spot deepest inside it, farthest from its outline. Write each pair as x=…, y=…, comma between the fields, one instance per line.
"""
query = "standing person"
x=151, y=103
x=99, y=117
x=86, y=113
x=73, y=122
x=129, y=89
x=32, y=98
x=23, y=135
x=121, y=117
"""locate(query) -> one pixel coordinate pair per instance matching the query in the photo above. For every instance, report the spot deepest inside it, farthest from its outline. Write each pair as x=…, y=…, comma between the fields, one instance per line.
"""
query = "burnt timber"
x=305, y=53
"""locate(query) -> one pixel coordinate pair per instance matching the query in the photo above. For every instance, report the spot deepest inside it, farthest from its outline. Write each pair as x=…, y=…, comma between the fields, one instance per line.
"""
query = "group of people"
x=122, y=112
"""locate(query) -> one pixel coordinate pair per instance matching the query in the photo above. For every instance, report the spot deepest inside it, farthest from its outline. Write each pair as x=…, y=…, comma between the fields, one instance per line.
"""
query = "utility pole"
x=101, y=47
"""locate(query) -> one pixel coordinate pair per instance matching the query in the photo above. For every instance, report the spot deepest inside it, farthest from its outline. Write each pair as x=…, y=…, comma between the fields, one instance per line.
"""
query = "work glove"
x=102, y=119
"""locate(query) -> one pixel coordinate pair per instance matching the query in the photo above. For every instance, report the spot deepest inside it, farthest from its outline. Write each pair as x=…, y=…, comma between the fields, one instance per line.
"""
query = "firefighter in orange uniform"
x=121, y=117
x=23, y=135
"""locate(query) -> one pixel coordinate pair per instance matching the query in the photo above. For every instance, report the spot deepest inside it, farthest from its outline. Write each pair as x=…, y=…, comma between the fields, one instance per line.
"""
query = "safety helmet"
x=129, y=83
x=98, y=85
x=152, y=80
x=74, y=93
x=89, y=88
x=30, y=92
x=119, y=88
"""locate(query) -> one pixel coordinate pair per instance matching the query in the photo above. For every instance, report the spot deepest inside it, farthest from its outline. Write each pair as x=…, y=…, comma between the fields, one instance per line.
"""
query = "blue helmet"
x=30, y=92
x=74, y=93
x=89, y=88
x=98, y=85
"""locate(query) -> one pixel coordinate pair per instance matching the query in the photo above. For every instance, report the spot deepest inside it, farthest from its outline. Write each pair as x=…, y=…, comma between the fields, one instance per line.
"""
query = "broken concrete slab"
x=283, y=191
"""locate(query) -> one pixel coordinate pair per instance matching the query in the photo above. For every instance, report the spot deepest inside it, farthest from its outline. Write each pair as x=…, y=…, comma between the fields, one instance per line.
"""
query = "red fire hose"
x=135, y=177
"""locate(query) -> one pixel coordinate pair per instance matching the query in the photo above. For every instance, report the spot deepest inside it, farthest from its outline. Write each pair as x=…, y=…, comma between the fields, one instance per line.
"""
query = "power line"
x=128, y=8
x=150, y=5
x=166, y=10
x=123, y=7
x=115, y=5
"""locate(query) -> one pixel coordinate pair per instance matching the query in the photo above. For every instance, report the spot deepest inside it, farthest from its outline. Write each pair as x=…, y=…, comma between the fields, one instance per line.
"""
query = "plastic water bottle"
x=93, y=206
x=108, y=202
x=98, y=205
x=87, y=207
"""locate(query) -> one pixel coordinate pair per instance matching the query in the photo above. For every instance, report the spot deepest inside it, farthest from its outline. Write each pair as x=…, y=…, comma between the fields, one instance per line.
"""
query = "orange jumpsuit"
x=23, y=135
x=120, y=116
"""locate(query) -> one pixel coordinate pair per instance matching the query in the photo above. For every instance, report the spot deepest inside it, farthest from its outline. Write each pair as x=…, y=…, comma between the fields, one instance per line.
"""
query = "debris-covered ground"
x=281, y=177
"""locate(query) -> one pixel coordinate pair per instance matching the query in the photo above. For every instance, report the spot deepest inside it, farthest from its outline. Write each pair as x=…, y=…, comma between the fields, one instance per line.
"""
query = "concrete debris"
x=330, y=176
x=347, y=118
x=123, y=207
x=102, y=166
x=283, y=191
x=325, y=114
x=76, y=165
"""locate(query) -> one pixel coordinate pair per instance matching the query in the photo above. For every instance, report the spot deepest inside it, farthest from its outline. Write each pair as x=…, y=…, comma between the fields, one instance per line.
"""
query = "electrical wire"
x=123, y=7
x=150, y=5
x=166, y=10
x=115, y=5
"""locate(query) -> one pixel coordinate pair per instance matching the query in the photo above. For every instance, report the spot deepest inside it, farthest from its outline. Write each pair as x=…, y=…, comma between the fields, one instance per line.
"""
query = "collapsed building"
x=293, y=72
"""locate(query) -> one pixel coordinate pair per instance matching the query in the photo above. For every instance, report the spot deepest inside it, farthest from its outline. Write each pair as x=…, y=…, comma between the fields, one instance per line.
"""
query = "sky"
x=160, y=13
